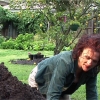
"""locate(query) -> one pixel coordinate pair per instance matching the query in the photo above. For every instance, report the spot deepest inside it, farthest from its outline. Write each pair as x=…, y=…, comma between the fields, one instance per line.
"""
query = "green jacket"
x=58, y=72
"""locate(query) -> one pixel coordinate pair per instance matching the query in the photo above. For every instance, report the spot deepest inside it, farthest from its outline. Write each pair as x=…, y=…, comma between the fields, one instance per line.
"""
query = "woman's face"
x=88, y=59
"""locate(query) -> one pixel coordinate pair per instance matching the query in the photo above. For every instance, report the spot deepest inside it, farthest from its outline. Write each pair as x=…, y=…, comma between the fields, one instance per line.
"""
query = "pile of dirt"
x=13, y=89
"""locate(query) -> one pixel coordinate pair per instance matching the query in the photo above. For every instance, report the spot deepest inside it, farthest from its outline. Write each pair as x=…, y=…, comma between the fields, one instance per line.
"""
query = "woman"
x=63, y=74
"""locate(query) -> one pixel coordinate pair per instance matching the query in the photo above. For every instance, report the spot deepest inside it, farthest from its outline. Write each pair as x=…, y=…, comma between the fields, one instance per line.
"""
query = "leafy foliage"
x=6, y=15
x=22, y=42
x=26, y=21
x=52, y=18
x=2, y=15
x=26, y=42
x=2, y=39
x=31, y=22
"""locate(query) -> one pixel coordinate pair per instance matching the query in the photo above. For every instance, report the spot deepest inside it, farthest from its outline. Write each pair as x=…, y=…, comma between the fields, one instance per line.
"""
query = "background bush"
x=26, y=42
x=2, y=39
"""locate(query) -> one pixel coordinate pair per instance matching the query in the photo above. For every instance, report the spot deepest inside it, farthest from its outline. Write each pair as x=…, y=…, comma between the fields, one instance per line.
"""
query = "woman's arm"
x=91, y=89
x=58, y=79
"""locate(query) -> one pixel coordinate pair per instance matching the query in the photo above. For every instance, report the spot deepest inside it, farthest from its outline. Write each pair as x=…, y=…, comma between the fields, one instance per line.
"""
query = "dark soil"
x=27, y=62
x=13, y=89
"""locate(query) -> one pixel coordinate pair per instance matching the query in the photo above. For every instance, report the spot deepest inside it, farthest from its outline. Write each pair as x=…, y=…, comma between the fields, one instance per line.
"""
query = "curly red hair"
x=87, y=41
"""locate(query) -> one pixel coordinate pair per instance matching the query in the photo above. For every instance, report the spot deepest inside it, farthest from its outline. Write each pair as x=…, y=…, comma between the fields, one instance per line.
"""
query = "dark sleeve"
x=91, y=89
x=57, y=81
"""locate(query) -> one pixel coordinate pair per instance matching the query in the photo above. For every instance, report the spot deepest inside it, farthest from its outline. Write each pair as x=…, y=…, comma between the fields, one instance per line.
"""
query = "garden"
x=31, y=35
x=22, y=71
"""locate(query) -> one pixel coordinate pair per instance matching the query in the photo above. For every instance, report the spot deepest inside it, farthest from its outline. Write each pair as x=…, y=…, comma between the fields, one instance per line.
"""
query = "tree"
x=60, y=14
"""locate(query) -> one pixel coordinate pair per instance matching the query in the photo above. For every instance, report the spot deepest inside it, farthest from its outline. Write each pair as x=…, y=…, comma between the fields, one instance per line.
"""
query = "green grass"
x=22, y=71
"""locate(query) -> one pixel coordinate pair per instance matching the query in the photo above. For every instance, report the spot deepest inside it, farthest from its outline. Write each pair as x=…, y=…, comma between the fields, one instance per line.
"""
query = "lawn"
x=22, y=71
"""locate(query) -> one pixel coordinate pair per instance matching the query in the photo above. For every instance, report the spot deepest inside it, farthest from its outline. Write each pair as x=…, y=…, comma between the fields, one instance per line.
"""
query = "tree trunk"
x=56, y=51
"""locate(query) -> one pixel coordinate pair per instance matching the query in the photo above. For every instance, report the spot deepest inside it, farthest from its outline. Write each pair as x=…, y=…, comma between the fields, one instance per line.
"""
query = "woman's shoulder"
x=66, y=55
x=67, y=52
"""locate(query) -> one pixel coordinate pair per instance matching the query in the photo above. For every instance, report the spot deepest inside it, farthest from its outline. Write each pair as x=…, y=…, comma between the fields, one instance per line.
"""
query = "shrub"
x=26, y=42
x=9, y=44
x=2, y=39
x=49, y=47
x=38, y=45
